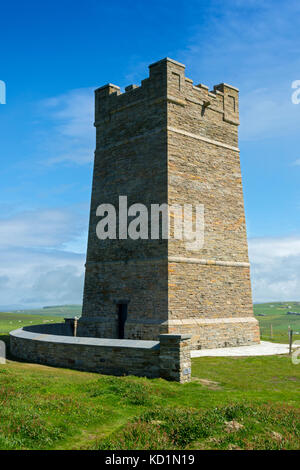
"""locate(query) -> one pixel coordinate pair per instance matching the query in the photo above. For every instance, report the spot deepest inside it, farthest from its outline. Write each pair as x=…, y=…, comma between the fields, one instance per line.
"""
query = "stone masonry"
x=169, y=141
x=55, y=345
x=175, y=357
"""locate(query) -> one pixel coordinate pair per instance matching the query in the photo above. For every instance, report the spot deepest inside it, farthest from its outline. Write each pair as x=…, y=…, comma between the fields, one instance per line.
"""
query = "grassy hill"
x=53, y=310
x=273, y=317
x=11, y=321
x=231, y=403
x=17, y=319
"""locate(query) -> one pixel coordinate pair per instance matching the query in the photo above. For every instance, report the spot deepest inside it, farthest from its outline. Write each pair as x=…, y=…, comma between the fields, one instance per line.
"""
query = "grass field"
x=12, y=321
x=231, y=403
x=276, y=321
x=54, y=311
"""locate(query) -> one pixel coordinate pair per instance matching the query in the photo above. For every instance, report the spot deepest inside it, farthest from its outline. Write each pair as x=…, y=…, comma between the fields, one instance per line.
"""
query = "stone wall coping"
x=85, y=341
x=167, y=59
x=108, y=85
x=227, y=85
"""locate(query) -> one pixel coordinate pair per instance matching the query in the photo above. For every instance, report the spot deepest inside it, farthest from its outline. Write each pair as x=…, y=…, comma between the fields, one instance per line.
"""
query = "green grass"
x=53, y=311
x=276, y=321
x=51, y=408
x=232, y=427
x=12, y=321
x=231, y=403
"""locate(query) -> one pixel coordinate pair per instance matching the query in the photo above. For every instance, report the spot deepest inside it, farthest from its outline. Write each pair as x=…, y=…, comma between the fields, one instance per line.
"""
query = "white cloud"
x=30, y=278
x=262, y=61
x=42, y=257
x=71, y=136
x=42, y=261
x=275, y=268
x=73, y=111
x=267, y=113
x=41, y=228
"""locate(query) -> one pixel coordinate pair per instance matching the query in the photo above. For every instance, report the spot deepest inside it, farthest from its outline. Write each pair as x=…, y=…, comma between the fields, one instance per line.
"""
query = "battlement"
x=167, y=81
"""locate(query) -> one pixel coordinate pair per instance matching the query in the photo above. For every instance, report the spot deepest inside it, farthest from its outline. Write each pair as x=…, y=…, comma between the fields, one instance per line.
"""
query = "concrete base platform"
x=264, y=348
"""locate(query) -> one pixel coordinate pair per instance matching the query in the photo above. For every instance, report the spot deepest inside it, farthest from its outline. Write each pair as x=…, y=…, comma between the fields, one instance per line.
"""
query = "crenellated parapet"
x=167, y=82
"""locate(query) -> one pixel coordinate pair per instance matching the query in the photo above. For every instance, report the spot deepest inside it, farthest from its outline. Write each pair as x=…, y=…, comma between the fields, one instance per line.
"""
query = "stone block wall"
x=175, y=357
x=141, y=283
x=168, y=358
x=209, y=289
x=218, y=332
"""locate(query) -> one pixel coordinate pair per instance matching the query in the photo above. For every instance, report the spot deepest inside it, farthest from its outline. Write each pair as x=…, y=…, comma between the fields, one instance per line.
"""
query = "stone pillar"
x=2, y=352
x=175, y=357
x=72, y=323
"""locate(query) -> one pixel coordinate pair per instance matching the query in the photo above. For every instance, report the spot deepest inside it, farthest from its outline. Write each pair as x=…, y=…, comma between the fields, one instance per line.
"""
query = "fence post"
x=72, y=322
x=2, y=352
x=290, y=340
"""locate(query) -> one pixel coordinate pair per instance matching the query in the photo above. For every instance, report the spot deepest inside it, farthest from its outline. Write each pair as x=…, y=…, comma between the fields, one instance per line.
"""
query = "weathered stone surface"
x=175, y=357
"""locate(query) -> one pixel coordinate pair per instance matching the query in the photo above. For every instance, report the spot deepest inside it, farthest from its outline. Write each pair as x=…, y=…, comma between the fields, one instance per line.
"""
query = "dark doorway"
x=122, y=317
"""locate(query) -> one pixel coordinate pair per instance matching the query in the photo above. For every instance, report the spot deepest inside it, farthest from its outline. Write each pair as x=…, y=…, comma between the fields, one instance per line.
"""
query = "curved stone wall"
x=53, y=345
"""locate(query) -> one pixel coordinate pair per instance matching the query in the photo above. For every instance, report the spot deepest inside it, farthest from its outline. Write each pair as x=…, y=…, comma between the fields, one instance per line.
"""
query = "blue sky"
x=54, y=54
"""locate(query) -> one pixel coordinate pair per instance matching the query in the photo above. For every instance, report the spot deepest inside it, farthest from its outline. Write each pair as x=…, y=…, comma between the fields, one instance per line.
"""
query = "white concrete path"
x=265, y=348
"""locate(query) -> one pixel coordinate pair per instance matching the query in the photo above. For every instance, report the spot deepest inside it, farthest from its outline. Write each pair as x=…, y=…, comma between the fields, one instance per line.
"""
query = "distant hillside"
x=276, y=317
x=55, y=310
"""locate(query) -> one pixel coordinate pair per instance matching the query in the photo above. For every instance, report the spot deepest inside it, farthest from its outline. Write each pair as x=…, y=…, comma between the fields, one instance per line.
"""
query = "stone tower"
x=169, y=142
